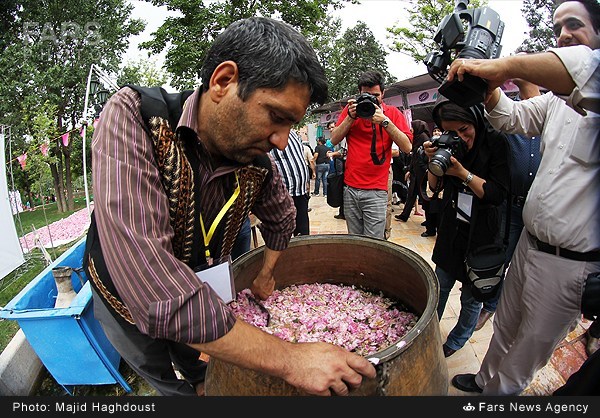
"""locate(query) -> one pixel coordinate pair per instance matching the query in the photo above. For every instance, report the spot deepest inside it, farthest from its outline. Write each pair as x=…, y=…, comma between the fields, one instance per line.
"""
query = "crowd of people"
x=194, y=195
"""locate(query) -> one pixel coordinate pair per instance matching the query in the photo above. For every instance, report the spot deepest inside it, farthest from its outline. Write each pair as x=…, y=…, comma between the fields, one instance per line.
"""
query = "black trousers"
x=152, y=359
x=302, y=221
x=411, y=197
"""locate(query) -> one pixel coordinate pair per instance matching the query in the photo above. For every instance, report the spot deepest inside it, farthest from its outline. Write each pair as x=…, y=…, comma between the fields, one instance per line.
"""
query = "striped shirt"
x=164, y=296
x=292, y=165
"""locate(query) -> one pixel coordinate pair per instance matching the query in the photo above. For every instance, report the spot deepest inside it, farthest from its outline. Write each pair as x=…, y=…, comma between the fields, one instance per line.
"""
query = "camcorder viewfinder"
x=481, y=41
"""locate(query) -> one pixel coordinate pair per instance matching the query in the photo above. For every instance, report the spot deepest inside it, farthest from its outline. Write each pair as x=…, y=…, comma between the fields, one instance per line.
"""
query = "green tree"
x=46, y=58
x=424, y=18
x=355, y=52
x=39, y=165
x=538, y=15
x=142, y=72
x=187, y=36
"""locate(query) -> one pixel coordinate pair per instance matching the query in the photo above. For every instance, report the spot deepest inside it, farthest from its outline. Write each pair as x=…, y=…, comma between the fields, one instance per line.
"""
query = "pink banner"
x=44, y=149
x=22, y=159
x=65, y=139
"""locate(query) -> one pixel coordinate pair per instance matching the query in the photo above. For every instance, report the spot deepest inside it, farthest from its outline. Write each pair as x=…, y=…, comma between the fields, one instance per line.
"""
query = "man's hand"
x=315, y=368
x=378, y=116
x=263, y=286
x=352, y=108
x=495, y=72
x=325, y=369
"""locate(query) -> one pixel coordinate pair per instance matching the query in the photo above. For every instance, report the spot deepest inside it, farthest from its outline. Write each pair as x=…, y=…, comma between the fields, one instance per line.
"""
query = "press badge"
x=219, y=276
x=464, y=206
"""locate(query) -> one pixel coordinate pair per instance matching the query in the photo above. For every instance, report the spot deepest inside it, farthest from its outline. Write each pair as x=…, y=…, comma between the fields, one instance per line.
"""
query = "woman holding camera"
x=470, y=165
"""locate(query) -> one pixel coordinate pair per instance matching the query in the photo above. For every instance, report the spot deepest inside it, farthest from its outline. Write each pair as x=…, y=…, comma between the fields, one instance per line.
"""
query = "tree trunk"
x=68, y=182
x=61, y=205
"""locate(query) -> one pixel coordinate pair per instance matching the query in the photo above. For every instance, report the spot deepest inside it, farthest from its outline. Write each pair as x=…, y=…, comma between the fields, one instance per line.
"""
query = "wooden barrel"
x=414, y=365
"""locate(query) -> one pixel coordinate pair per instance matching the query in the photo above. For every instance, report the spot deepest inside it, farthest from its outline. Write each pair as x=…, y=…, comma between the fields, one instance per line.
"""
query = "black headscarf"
x=420, y=133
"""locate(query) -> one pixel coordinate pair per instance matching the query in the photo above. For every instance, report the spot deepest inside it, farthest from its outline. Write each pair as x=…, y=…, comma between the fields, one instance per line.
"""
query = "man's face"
x=375, y=91
x=573, y=26
x=242, y=131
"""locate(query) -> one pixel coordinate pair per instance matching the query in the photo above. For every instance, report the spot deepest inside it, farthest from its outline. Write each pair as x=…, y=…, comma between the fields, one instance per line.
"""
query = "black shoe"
x=428, y=234
x=466, y=383
x=338, y=216
x=448, y=351
x=400, y=218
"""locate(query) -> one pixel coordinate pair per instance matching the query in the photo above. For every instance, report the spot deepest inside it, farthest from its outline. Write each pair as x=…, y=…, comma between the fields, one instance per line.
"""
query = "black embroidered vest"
x=177, y=160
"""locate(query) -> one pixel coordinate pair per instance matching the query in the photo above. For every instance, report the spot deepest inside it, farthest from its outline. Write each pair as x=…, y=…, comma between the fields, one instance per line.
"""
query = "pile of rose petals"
x=59, y=232
x=355, y=319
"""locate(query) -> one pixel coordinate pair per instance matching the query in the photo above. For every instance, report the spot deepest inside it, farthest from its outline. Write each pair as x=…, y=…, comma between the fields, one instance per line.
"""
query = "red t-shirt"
x=360, y=172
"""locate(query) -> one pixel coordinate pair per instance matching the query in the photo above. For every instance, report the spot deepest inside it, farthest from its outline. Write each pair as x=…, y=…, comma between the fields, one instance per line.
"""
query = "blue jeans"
x=322, y=172
x=469, y=310
x=242, y=242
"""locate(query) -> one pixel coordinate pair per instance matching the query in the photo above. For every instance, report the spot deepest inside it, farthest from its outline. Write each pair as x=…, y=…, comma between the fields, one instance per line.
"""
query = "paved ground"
x=566, y=359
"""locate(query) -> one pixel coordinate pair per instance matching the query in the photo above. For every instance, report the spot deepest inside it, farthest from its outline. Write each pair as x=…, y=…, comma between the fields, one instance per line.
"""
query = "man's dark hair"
x=592, y=7
x=371, y=79
x=269, y=54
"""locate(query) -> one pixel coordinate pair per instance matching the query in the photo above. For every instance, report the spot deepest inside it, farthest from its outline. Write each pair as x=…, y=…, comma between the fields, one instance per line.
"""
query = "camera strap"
x=374, y=155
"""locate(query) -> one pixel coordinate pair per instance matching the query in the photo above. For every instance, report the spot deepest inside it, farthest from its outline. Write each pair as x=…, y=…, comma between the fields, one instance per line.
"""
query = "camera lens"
x=365, y=109
x=440, y=162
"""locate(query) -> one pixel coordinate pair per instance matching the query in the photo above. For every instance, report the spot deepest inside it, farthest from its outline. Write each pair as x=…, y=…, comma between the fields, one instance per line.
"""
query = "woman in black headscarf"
x=476, y=176
x=417, y=168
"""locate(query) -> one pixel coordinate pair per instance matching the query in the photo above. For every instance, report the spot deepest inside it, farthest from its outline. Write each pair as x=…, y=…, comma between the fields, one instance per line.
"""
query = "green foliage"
x=187, y=36
x=538, y=15
x=44, y=215
x=424, y=17
x=14, y=282
x=41, y=124
x=143, y=72
x=355, y=52
x=47, y=50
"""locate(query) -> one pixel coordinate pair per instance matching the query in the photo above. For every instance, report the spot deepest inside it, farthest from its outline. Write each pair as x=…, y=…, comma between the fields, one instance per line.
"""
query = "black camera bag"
x=590, y=300
x=486, y=265
x=335, y=187
x=485, y=270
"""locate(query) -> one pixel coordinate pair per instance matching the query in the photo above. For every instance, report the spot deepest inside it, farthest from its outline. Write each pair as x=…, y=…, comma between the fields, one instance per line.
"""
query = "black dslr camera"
x=365, y=105
x=482, y=41
x=447, y=145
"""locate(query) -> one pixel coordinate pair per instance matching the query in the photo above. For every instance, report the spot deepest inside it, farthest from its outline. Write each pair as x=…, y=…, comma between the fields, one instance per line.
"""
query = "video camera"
x=482, y=41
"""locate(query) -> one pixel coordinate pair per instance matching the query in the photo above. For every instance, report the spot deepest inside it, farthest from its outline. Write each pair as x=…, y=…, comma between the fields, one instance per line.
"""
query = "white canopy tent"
x=11, y=254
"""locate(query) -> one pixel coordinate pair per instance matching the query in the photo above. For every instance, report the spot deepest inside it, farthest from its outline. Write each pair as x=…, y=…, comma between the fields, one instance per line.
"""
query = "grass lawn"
x=10, y=286
x=43, y=215
x=14, y=282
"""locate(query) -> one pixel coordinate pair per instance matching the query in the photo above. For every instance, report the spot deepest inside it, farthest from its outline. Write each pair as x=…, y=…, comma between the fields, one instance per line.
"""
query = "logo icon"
x=468, y=407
